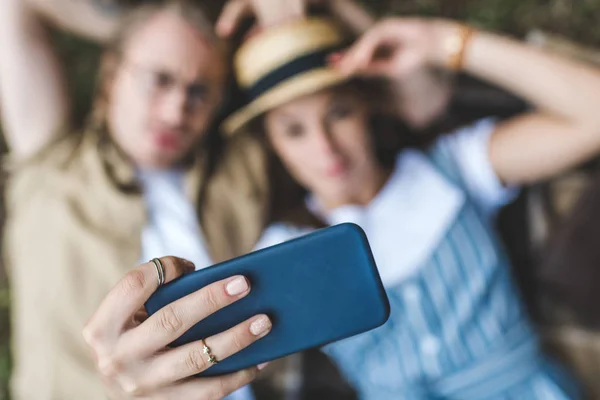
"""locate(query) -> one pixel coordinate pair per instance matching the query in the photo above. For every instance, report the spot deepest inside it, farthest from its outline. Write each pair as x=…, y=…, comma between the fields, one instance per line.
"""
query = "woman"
x=457, y=328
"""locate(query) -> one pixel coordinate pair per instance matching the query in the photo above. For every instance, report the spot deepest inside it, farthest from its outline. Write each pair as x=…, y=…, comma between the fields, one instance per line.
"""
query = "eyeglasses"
x=157, y=82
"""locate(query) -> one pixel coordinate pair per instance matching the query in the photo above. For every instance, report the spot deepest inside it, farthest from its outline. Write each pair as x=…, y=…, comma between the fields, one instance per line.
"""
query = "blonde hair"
x=190, y=12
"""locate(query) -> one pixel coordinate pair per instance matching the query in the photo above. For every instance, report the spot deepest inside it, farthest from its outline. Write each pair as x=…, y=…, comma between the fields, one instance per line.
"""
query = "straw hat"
x=284, y=63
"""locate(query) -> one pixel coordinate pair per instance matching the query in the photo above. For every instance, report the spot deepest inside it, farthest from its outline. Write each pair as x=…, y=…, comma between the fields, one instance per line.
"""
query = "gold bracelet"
x=456, y=46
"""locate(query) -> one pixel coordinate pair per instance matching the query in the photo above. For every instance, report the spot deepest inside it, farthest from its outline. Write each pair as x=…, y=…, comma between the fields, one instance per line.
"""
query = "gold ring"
x=211, y=358
x=160, y=271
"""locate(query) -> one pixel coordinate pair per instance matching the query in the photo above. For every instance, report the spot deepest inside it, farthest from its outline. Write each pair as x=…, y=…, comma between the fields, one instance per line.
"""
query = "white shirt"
x=173, y=228
x=414, y=209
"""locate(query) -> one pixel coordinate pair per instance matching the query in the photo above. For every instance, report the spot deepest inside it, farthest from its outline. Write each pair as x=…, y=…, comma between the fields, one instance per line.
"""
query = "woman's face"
x=324, y=141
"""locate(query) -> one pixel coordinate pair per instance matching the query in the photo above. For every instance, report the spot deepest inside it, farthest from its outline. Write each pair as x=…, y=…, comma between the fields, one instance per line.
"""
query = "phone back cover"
x=316, y=289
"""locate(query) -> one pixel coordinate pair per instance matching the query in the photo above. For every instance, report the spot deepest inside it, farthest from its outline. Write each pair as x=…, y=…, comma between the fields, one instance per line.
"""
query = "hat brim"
x=301, y=85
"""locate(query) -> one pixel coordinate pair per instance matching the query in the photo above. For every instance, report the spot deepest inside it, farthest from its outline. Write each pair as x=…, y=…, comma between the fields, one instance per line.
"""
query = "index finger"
x=131, y=292
x=363, y=51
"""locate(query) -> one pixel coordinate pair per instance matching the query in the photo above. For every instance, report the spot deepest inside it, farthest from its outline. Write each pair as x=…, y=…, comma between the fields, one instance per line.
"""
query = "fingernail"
x=129, y=386
x=260, y=326
x=262, y=366
x=237, y=286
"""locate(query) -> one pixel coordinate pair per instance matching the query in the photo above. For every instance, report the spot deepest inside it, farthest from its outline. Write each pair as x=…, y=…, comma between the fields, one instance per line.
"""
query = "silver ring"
x=160, y=271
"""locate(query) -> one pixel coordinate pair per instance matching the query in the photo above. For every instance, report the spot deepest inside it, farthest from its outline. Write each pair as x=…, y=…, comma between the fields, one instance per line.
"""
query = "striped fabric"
x=457, y=328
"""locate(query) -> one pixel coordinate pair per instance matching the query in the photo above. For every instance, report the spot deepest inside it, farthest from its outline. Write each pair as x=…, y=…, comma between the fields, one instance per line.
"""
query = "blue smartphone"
x=317, y=289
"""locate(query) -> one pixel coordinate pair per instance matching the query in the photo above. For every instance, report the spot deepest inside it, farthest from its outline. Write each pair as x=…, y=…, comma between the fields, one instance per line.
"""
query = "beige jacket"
x=74, y=226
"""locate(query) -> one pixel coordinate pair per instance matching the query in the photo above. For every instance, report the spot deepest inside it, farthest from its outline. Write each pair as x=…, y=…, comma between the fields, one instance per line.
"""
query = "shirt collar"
x=407, y=218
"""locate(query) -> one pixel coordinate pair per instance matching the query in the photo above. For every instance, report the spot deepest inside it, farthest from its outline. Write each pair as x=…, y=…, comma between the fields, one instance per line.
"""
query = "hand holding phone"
x=131, y=350
x=316, y=289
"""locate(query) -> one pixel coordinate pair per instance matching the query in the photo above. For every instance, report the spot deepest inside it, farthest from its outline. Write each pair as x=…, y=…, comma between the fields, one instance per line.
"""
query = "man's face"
x=165, y=91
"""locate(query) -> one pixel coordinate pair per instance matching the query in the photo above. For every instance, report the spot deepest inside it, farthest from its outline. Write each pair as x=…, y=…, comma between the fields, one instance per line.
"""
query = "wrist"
x=451, y=42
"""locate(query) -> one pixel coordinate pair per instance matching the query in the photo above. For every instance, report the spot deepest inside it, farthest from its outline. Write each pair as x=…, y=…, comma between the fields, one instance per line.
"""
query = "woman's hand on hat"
x=398, y=47
x=131, y=349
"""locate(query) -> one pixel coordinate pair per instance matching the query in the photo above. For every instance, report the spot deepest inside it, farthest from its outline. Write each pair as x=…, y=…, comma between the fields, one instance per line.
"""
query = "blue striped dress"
x=457, y=328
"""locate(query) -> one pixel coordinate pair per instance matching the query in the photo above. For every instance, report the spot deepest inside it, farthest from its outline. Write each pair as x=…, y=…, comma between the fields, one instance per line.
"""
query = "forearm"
x=553, y=85
x=564, y=132
x=94, y=19
x=32, y=92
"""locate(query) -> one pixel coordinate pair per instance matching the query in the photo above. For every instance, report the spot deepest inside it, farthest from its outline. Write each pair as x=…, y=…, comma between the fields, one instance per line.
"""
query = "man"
x=141, y=181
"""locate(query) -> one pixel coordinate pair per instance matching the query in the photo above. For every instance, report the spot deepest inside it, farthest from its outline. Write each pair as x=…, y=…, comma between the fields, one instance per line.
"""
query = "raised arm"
x=33, y=101
x=565, y=129
x=94, y=19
